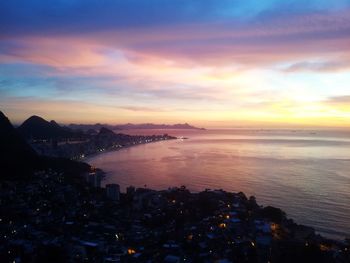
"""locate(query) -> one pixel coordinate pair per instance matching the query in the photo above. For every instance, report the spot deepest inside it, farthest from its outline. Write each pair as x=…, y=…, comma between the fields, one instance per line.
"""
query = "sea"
x=306, y=173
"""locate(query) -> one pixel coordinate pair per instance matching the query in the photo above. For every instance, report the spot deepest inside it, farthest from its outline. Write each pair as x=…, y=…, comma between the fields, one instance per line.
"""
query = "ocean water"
x=306, y=173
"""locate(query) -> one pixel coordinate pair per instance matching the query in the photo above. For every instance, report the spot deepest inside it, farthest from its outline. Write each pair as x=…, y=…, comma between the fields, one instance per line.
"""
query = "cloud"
x=161, y=58
x=324, y=66
x=142, y=109
x=63, y=16
x=344, y=100
x=263, y=41
x=55, y=52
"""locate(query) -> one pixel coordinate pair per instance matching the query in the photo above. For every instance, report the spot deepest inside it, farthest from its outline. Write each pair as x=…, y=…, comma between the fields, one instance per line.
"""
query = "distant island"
x=130, y=126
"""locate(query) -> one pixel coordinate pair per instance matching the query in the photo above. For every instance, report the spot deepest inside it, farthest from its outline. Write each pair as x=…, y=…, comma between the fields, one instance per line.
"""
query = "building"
x=113, y=191
x=130, y=191
x=94, y=179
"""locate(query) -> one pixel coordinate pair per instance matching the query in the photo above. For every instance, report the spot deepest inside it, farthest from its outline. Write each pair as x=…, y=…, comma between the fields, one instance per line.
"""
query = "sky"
x=238, y=63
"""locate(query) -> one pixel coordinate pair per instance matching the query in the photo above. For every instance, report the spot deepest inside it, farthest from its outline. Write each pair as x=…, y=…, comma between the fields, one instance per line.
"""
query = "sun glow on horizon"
x=222, y=69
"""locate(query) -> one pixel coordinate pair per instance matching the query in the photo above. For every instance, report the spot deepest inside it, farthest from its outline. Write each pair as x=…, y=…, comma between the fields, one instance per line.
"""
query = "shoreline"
x=86, y=158
x=326, y=234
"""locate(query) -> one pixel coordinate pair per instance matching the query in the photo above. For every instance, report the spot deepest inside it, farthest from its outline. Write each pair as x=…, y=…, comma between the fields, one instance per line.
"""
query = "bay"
x=304, y=172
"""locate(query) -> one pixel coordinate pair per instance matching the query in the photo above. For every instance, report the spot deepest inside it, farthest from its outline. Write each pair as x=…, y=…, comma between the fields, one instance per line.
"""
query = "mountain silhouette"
x=15, y=154
x=36, y=128
x=18, y=160
x=106, y=132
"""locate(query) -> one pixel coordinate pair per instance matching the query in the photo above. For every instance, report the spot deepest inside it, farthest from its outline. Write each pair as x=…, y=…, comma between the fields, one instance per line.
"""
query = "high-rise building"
x=94, y=179
x=130, y=190
x=113, y=191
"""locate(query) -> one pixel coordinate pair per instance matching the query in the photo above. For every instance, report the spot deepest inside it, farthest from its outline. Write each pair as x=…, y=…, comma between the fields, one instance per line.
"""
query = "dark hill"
x=54, y=124
x=37, y=128
x=15, y=154
x=19, y=160
x=92, y=127
x=106, y=132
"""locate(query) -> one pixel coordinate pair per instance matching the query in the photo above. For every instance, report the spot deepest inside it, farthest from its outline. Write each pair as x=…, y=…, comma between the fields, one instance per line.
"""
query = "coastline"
x=299, y=210
x=90, y=156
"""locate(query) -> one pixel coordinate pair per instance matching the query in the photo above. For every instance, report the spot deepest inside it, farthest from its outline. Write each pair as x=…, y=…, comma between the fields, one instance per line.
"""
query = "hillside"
x=15, y=154
x=19, y=160
x=36, y=128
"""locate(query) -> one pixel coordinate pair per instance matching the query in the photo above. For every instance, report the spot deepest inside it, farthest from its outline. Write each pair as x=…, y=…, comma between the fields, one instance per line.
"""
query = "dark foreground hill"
x=15, y=154
x=19, y=160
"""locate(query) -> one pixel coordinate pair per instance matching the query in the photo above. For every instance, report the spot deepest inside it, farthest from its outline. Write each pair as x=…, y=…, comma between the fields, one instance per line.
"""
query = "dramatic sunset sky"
x=212, y=63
